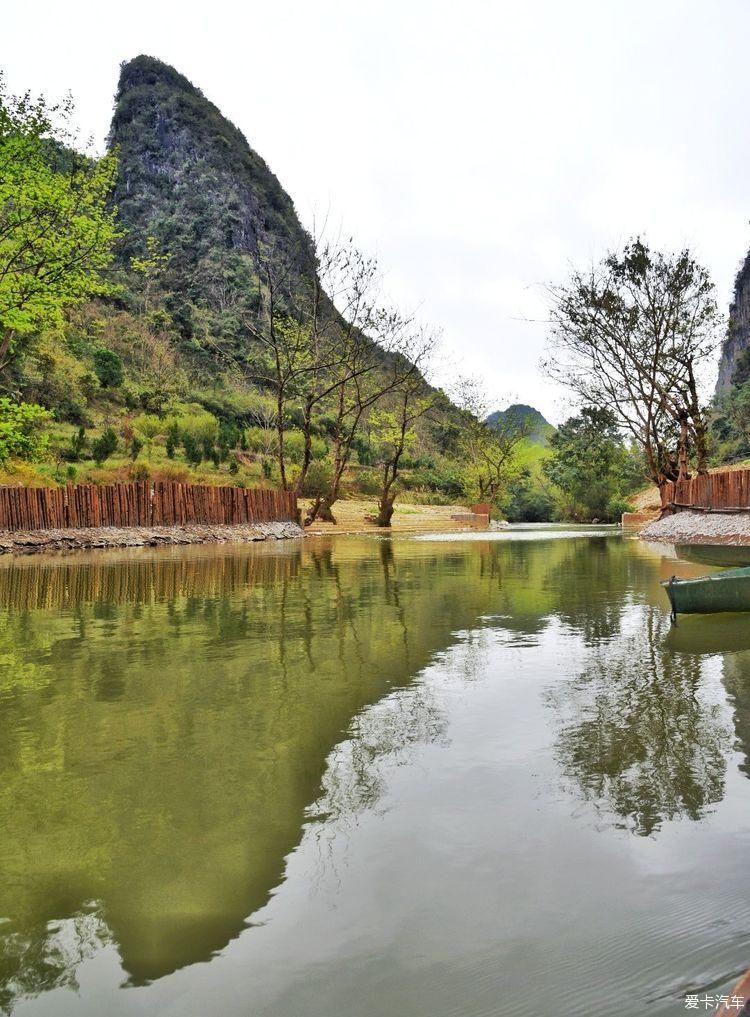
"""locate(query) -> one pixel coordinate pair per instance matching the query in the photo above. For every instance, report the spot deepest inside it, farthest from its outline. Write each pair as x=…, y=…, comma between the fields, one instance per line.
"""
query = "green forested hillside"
x=176, y=366
x=205, y=335
x=537, y=430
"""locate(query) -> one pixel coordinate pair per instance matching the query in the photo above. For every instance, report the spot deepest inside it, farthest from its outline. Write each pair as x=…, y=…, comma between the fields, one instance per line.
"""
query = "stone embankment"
x=33, y=541
x=700, y=528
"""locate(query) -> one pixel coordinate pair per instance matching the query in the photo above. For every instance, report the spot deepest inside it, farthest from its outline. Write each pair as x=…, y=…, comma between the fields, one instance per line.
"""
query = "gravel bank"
x=700, y=528
x=31, y=541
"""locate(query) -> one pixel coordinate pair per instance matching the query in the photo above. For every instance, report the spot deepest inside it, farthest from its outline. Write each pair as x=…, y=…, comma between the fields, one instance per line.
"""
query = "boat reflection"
x=724, y=555
x=702, y=635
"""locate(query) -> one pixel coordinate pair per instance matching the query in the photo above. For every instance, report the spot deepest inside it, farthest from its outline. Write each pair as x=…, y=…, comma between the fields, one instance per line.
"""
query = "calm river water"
x=362, y=777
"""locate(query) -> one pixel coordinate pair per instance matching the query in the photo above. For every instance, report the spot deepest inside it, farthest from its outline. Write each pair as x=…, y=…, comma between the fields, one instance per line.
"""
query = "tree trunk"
x=5, y=347
x=385, y=510
x=321, y=509
x=280, y=439
x=307, y=454
x=701, y=447
x=324, y=509
x=682, y=449
x=312, y=513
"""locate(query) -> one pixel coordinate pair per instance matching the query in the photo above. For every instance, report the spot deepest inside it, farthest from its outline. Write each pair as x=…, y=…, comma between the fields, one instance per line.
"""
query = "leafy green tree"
x=148, y=426
x=21, y=435
x=589, y=465
x=632, y=335
x=151, y=267
x=228, y=438
x=527, y=501
x=56, y=229
x=78, y=442
x=173, y=439
x=108, y=368
x=104, y=446
x=207, y=445
x=394, y=425
x=193, y=452
x=489, y=453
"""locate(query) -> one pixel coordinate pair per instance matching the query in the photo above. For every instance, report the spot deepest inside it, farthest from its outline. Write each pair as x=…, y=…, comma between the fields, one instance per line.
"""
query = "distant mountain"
x=539, y=429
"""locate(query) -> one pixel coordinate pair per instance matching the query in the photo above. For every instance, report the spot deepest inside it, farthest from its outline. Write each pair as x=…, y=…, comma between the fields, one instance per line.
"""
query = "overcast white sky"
x=478, y=148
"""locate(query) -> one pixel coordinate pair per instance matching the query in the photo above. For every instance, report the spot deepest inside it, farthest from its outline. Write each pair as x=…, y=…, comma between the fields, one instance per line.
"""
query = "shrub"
x=318, y=479
x=21, y=435
x=260, y=439
x=140, y=471
x=294, y=446
x=108, y=368
x=104, y=446
x=148, y=425
x=176, y=473
x=193, y=452
x=200, y=426
x=229, y=435
x=368, y=481
x=135, y=447
x=78, y=442
x=173, y=439
x=615, y=508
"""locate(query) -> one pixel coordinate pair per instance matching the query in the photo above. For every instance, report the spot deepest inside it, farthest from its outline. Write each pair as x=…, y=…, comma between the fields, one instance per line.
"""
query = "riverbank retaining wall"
x=723, y=491
x=145, y=503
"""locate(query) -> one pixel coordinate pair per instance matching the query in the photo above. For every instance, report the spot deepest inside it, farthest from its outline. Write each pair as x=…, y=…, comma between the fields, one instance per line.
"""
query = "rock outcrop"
x=738, y=337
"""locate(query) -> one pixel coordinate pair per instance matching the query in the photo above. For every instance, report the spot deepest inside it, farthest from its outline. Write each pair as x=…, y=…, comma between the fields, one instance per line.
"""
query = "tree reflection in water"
x=642, y=740
x=36, y=960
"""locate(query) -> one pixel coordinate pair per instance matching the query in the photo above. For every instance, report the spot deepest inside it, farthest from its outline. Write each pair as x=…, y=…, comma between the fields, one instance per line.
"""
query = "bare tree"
x=632, y=335
x=394, y=424
x=311, y=323
x=331, y=353
x=339, y=310
x=372, y=366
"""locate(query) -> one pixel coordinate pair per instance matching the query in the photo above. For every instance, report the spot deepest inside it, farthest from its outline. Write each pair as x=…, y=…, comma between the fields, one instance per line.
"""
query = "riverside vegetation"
x=163, y=314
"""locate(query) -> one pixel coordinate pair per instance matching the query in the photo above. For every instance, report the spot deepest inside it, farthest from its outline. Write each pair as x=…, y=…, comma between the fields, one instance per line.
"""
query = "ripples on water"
x=367, y=776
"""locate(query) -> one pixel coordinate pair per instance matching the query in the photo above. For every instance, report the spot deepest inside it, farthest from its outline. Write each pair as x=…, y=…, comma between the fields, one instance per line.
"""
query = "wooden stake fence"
x=144, y=503
x=725, y=491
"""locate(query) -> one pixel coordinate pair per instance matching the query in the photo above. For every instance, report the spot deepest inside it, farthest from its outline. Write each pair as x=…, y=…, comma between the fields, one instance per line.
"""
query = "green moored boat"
x=721, y=591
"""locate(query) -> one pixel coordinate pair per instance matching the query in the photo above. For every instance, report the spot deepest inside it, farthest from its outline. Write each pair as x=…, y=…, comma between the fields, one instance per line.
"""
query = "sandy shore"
x=351, y=518
x=700, y=528
x=32, y=541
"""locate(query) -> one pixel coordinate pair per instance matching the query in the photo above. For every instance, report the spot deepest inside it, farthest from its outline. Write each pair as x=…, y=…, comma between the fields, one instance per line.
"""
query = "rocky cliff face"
x=189, y=179
x=738, y=337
